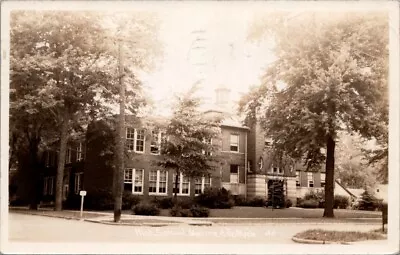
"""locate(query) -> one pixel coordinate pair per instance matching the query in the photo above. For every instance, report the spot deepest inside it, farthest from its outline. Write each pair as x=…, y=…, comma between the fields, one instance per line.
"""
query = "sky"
x=208, y=45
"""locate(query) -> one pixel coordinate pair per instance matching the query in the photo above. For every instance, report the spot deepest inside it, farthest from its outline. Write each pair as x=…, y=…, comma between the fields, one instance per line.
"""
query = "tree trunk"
x=330, y=182
x=34, y=173
x=176, y=188
x=61, y=162
x=120, y=166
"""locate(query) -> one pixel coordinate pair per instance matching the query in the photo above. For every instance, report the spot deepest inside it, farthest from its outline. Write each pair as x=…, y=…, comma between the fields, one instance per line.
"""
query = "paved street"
x=30, y=228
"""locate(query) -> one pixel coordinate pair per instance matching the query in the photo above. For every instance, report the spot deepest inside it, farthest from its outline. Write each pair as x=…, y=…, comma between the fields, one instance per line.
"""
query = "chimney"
x=223, y=97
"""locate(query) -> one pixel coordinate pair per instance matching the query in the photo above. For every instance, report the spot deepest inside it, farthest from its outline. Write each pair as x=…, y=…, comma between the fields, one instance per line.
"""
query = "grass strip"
x=339, y=236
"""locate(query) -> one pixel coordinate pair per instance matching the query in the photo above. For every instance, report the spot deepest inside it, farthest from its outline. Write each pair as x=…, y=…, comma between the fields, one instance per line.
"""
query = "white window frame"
x=78, y=182
x=202, y=183
x=298, y=181
x=133, y=181
x=136, y=140
x=51, y=190
x=131, y=140
x=209, y=142
x=45, y=180
x=158, y=175
x=310, y=179
x=68, y=158
x=65, y=191
x=230, y=143
x=238, y=174
x=180, y=185
x=79, y=152
x=155, y=144
x=323, y=180
x=48, y=189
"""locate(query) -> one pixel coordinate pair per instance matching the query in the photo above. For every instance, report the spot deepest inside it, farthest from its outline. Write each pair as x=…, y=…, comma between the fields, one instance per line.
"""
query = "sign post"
x=83, y=194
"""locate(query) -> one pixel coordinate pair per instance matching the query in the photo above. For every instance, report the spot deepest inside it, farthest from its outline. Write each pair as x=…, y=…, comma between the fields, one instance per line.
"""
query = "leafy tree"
x=352, y=166
x=187, y=149
x=64, y=65
x=330, y=75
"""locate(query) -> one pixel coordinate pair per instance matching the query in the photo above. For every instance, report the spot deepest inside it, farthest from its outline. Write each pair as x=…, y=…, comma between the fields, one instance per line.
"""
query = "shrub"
x=164, y=203
x=100, y=199
x=185, y=203
x=144, y=208
x=368, y=202
x=73, y=202
x=299, y=202
x=178, y=211
x=288, y=203
x=198, y=211
x=18, y=202
x=310, y=203
x=129, y=200
x=175, y=211
x=194, y=211
x=240, y=200
x=315, y=195
x=341, y=202
x=215, y=198
x=256, y=202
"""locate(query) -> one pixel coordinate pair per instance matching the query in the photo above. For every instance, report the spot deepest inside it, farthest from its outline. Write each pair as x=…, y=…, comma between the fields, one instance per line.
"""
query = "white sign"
x=82, y=193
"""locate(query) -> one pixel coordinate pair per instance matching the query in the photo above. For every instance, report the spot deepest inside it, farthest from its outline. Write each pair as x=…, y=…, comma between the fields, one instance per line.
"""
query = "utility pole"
x=119, y=169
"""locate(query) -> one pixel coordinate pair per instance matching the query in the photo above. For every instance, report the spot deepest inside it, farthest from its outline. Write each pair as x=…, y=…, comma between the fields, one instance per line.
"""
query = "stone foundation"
x=256, y=186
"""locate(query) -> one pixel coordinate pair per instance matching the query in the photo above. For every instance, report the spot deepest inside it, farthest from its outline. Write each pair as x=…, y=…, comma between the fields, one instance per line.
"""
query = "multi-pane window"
x=297, y=178
x=128, y=181
x=135, y=139
x=48, y=185
x=78, y=182
x=234, y=174
x=68, y=156
x=208, y=152
x=280, y=170
x=79, y=152
x=157, y=182
x=183, y=185
x=65, y=191
x=153, y=181
x=155, y=145
x=133, y=180
x=130, y=139
x=162, y=182
x=139, y=140
x=234, y=142
x=138, y=185
x=310, y=179
x=197, y=185
x=323, y=180
x=201, y=184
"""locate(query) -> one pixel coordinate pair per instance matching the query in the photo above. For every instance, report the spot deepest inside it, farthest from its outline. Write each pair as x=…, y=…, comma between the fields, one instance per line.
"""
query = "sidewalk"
x=130, y=219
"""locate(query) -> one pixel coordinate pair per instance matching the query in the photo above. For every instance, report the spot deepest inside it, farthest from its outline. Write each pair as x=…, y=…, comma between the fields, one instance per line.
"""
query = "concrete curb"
x=133, y=224
x=309, y=241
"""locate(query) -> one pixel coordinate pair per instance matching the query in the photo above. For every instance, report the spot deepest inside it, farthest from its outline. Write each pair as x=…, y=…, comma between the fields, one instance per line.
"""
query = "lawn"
x=339, y=236
x=261, y=212
x=256, y=213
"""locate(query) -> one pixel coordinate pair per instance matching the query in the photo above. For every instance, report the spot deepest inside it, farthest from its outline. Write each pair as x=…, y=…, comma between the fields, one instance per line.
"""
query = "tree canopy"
x=64, y=67
x=191, y=139
x=330, y=75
